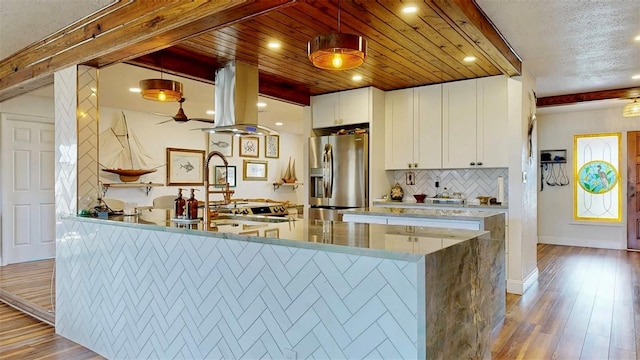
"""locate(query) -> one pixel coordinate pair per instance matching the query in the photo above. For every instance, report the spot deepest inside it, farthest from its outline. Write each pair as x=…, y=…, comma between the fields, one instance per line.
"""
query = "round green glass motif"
x=597, y=177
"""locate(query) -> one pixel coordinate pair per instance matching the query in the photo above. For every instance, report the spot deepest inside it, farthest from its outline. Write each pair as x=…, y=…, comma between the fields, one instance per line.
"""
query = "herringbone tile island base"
x=530, y=331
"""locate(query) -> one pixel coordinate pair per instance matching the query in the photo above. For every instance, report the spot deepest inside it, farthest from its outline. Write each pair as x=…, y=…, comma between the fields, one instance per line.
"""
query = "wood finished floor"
x=585, y=305
x=29, y=286
x=25, y=338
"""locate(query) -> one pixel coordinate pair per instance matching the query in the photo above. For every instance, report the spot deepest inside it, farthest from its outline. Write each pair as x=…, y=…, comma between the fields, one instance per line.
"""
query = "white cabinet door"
x=413, y=128
x=342, y=108
x=323, y=109
x=459, y=124
x=354, y=106
x=493, y=121
x=427, y=129
x=399, y=132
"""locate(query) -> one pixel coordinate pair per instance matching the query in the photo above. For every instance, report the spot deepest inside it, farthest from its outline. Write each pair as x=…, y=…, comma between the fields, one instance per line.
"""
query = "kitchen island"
x=144, y=287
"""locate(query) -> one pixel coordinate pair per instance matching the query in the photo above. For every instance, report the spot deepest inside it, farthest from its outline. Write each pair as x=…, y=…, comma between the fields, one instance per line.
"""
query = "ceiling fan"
x=181, y=117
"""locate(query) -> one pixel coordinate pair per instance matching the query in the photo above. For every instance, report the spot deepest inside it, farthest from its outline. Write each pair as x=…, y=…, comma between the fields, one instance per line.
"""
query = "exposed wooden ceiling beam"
x=122, y=30
x=627, y=93
x=474, y=25
x=182, y=62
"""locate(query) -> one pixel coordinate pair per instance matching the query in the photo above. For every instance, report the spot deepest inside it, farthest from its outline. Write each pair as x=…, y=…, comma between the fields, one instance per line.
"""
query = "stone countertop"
x=336, y=236
x=389, y=203
x=431, y=213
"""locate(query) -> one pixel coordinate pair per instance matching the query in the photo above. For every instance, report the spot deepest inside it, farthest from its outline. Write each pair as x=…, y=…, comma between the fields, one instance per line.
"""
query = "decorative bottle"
x=192, y=206
x=179, y=205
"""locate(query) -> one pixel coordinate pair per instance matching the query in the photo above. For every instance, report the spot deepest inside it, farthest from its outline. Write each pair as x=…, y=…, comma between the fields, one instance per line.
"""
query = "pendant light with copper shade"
x=161, y=89
x=337, y=51
x=631, y=109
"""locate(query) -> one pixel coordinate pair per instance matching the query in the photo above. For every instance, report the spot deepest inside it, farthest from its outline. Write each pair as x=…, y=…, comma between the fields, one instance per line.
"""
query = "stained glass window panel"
x=597, y=194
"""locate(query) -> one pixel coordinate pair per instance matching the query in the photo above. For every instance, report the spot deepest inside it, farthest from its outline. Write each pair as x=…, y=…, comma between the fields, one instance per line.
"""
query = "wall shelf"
x=292, y=185
x=557, y=156
x=146, y=187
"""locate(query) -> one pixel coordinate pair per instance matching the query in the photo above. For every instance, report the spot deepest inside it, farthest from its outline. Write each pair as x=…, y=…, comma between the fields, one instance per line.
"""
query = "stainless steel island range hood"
x=236, y=99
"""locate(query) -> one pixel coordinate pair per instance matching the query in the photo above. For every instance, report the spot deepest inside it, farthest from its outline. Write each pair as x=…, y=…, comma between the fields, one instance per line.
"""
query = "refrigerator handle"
x=327, y=171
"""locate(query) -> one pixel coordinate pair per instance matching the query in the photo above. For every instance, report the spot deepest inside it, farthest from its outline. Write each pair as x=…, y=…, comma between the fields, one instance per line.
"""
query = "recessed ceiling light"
x=409, y=9
x=134, y=90
x=273, y=45
x=356, y=77
x=469, y=58
x=261, y=104
x=278, y=124
x=638, y=38
x=211, y=112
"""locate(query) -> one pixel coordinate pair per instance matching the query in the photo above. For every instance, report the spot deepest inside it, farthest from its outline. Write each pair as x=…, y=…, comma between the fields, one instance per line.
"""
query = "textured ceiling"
x=572, y=46
x=23, y=22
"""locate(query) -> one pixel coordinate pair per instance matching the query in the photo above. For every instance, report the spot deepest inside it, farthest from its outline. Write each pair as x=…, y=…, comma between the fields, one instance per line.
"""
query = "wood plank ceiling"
x=404, y=50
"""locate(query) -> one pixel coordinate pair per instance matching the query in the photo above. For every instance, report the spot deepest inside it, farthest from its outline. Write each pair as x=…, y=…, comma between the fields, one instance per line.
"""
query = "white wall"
x=156, y=138
x=555, y=204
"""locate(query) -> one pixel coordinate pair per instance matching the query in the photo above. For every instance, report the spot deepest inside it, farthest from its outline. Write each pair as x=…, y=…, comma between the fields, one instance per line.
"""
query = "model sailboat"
x=290, y=173
x=121, y=150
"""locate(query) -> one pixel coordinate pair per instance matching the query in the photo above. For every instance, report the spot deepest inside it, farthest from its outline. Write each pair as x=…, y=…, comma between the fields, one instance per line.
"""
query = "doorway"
x=633, y=192
x=28, y=175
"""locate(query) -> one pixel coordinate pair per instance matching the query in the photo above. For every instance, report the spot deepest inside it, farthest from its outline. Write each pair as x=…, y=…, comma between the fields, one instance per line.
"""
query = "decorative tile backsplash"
x=470, y=182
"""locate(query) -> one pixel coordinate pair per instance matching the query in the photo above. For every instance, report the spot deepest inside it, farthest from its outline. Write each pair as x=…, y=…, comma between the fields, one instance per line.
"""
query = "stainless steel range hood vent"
x=236, y=99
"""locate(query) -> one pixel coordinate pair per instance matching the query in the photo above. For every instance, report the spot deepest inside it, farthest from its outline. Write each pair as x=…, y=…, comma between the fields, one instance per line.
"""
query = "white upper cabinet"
x=474, y=123
x=493, y=120
x=413, y=124
x=342, y=108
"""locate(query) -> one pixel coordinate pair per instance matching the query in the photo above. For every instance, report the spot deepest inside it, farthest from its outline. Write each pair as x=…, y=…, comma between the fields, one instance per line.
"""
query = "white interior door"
x=28, y=172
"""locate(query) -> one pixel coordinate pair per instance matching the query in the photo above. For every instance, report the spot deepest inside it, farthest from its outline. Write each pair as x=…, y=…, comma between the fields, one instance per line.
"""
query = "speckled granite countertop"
x=373, y=239
x=389, y=203
x=432, y=213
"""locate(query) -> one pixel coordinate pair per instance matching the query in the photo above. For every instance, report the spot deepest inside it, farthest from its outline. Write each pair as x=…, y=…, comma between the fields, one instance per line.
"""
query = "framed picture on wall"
x=272, y=146
x=185, y=167
x=254, y=170
x=220, y=142
x=222, y=172
x=249, y=146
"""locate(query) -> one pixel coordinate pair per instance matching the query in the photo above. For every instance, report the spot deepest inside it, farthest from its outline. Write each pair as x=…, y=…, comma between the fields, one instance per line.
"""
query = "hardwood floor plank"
x=585, y=305
x=595, y=347
x=23, y=337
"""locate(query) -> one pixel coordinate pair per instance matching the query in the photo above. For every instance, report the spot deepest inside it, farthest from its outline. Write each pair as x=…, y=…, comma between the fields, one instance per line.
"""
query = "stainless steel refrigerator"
x=338, y=174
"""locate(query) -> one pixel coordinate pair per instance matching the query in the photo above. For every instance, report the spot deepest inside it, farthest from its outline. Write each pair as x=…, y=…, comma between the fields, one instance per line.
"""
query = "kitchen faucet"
x=226, y=192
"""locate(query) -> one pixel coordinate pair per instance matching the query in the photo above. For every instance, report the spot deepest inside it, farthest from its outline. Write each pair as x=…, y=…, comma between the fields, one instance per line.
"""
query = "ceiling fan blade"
x=208, y=121
x=166, y=121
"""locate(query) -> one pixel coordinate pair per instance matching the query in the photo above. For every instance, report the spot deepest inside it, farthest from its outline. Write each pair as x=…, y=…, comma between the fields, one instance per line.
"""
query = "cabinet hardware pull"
x=472, y=163
x=479, y=162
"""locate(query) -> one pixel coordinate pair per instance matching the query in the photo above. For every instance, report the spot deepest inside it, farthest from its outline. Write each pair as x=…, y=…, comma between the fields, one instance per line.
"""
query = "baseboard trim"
x=592, y=243
x=519, y=287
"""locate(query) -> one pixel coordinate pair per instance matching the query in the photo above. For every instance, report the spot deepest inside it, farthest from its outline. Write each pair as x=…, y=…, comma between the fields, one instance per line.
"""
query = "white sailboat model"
x=121, y=151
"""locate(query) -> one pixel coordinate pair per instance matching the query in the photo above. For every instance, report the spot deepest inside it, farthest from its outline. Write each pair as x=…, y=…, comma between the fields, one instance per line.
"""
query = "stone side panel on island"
x=461, y=306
